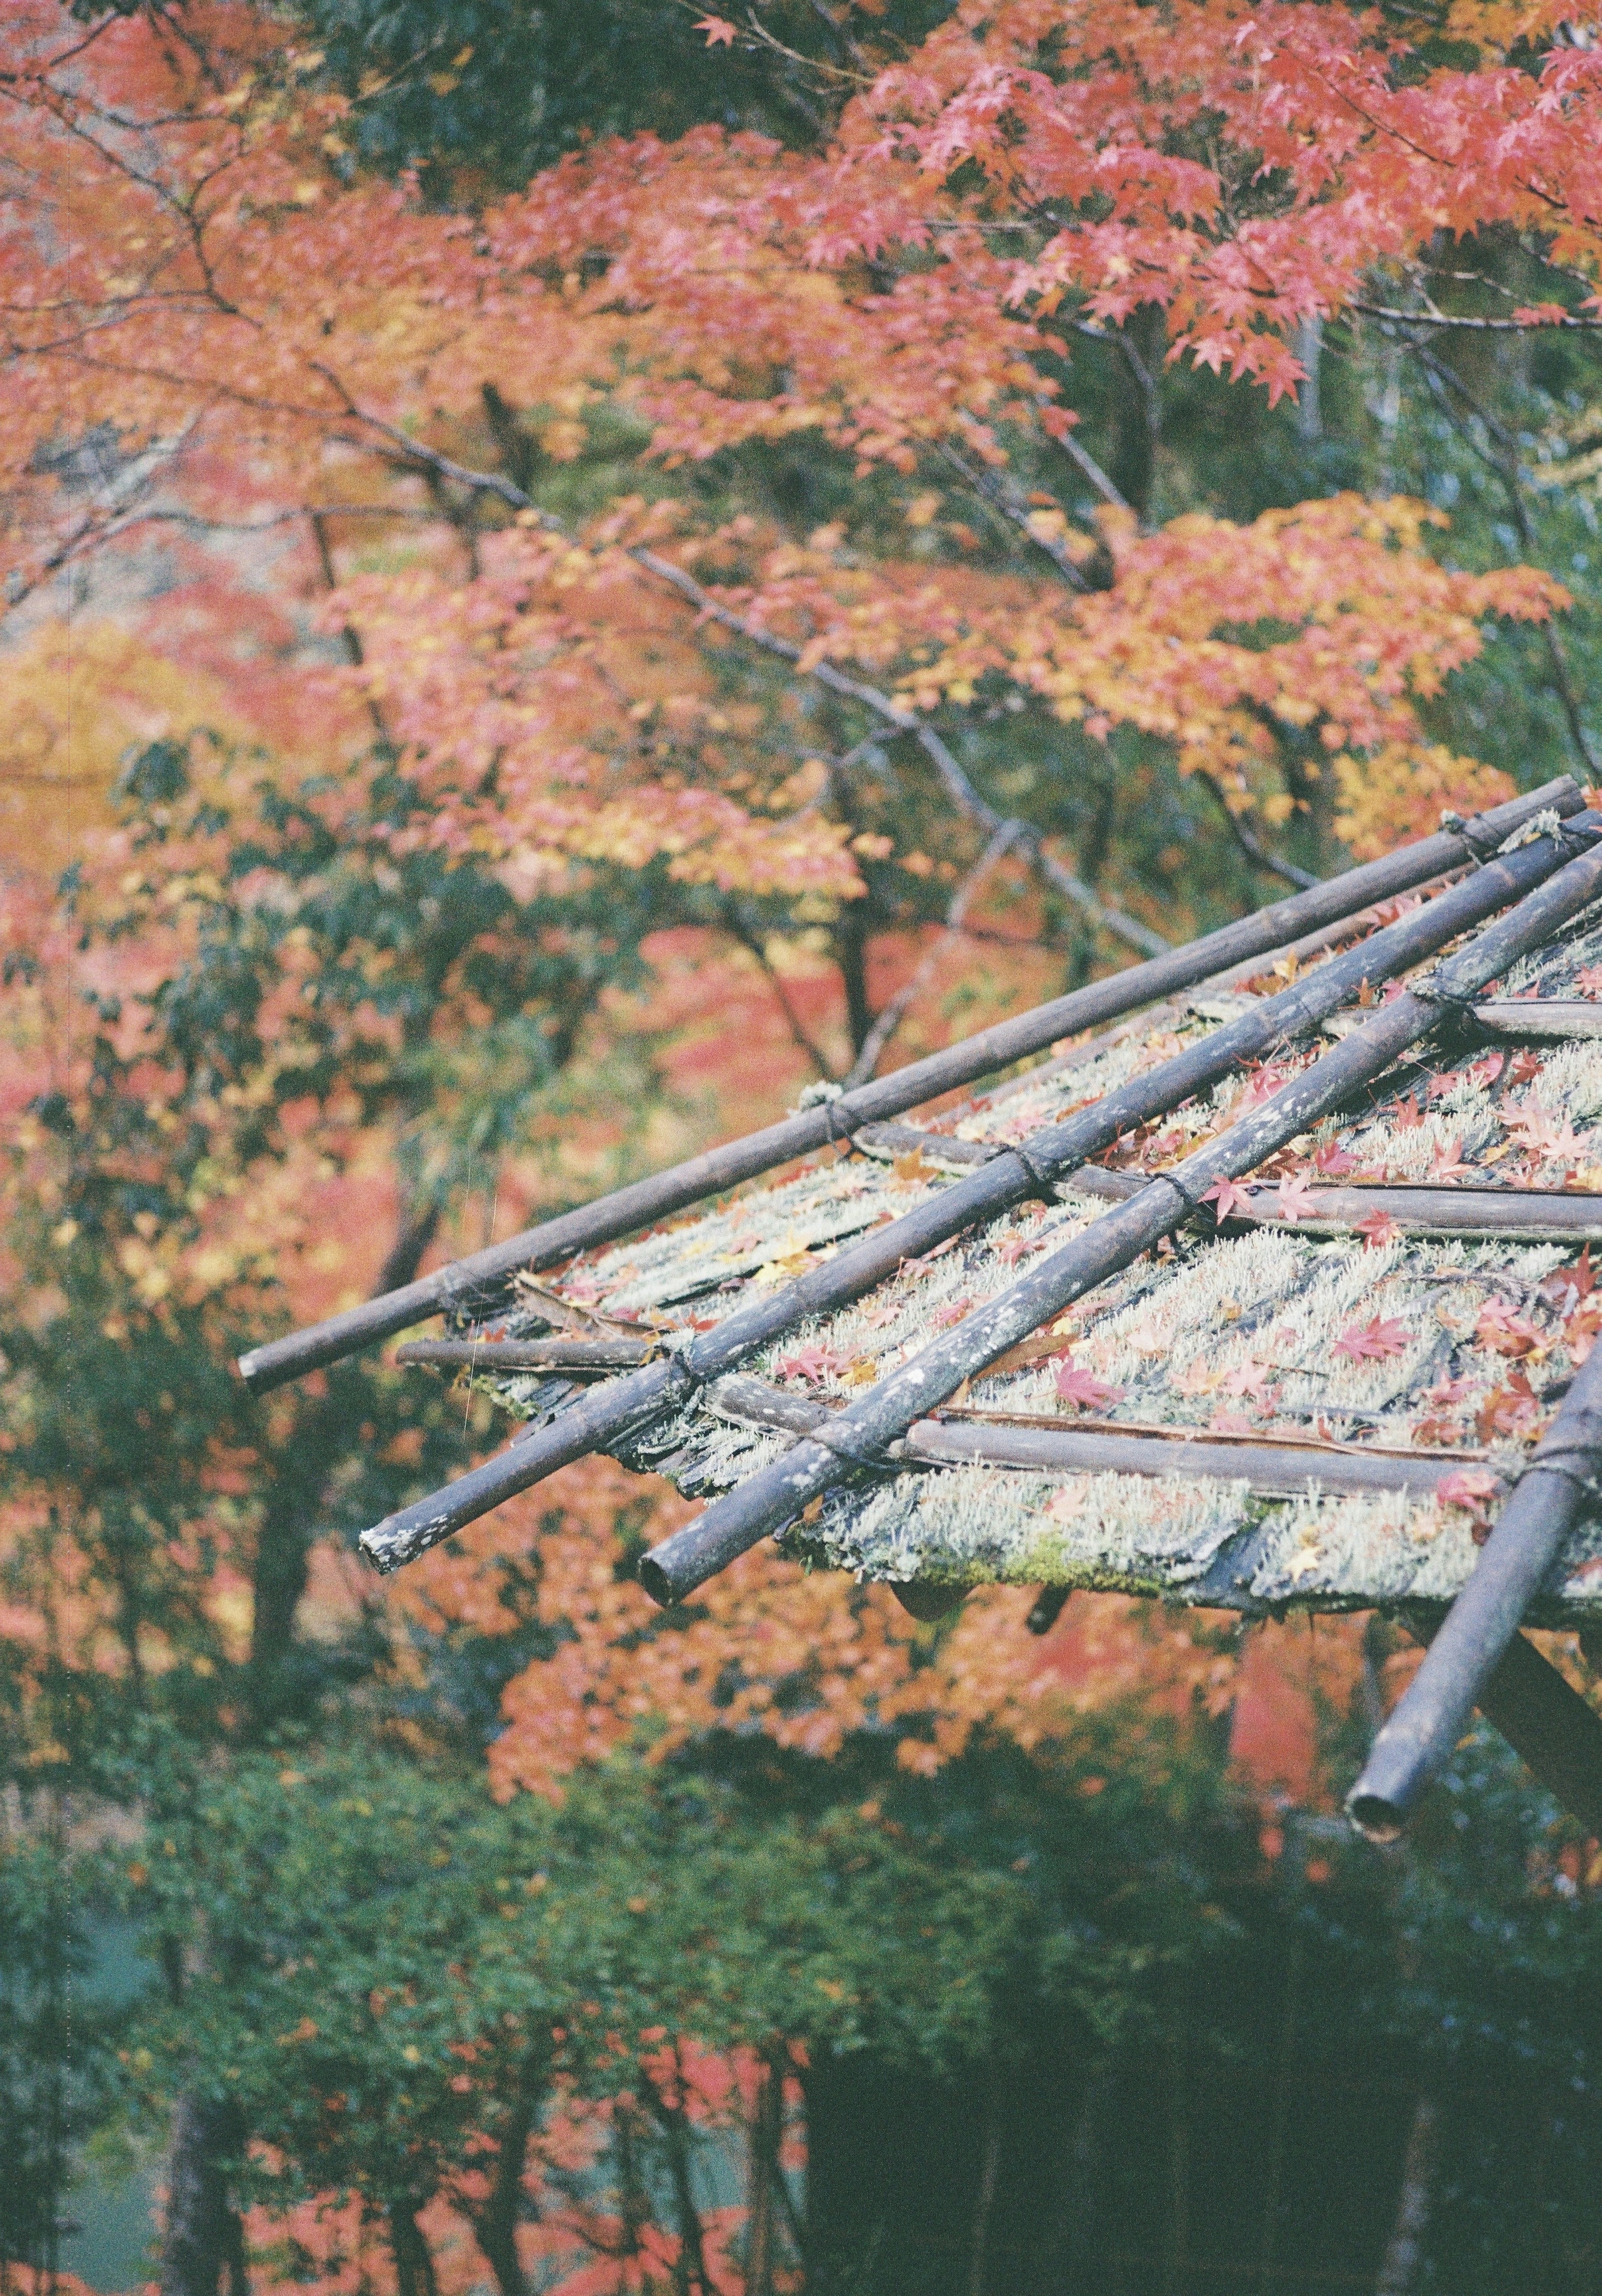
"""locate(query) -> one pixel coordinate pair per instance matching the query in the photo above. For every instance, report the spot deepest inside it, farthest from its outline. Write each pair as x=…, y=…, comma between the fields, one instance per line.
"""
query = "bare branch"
x=891, y=1018
x=750, y=935
x=1447, y=319
x=1255, y=850
x=1006, y=498
x=1112, y=921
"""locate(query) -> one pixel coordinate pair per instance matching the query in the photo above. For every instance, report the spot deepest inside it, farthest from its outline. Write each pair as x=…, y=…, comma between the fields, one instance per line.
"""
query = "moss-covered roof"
x=1251, y=1335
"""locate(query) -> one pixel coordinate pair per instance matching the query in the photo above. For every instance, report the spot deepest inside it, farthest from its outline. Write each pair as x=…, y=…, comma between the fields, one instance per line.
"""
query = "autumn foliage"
x=518, y=666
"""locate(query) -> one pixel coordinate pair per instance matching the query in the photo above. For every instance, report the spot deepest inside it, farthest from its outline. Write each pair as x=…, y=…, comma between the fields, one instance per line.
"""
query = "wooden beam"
x=1550, y=1726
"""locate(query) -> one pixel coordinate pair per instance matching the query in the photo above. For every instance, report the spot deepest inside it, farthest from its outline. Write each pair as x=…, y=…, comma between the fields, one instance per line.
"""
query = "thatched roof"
x=1235, y=1440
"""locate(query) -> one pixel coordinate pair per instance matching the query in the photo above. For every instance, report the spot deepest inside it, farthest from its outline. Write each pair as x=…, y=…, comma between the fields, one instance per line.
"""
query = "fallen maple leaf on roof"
x=1229, y=1199
x=1295, y=1199
x=1504, y=1331
x=1333, y=1162
x=1251, y=1382
x=1374, y=1340
x=1447, y=1162
x=1565, y=1285
x=1510, y=1410
x=1378, y=1229
x=1544, y=1134
x=1083, y=1388
x=951, y=1313
x=813, y=1363
x=914, y=1166
x=1469, y=1487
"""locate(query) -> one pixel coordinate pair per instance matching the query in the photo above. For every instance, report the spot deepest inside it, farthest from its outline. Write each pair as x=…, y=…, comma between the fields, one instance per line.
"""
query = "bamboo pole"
x=1534, y=1214
x=990, y=1049
x=1555, y=1486
x=572, y=1353
x=1008, y=1177
x=1273, y=1470
x=856, y=1440
x=1534, y=1020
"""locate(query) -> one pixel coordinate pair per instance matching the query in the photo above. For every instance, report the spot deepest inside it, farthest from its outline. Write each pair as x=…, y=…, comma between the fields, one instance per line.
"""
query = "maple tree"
x=543, y=614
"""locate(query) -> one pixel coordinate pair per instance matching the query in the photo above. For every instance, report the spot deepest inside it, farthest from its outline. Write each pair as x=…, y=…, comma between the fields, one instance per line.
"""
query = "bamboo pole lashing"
x=990, y=1049
x=774, y=1495
x=1009, y=1177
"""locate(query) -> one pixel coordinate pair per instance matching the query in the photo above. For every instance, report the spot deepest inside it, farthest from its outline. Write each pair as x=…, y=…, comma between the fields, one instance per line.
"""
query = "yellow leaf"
x=912, y=1166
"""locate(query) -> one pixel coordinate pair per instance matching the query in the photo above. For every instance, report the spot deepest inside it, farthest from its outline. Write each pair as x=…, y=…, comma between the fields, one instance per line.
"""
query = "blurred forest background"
x=572, y=570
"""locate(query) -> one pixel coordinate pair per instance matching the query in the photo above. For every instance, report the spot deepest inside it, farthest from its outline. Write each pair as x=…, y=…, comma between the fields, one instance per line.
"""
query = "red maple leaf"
x=1505, y=1331
x=1548, y=1140
x=1378, y=1229
x=1447, y=1163
x=1295, y=1199
x=1229, y=1199
x=1409, y=1115
x=719, y=32
x=1083, y=1388
x=951, y=1313
x=1512, y=1409
x=1526, y=1066
x=1251, y=1383
x=814, y=1364
x=1566, y=1286
x=1230, y=1422
x=1374, y=1340
x=1470, y=1487
x=1010, y=1252
x=1334, y=1162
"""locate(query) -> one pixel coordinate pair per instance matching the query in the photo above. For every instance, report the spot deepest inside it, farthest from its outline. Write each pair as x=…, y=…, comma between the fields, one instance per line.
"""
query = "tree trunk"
x=851, y=954
x=984, y=2203
x=1138, y=420
x=1399, y=2269
x=766, y=2136
x=320, y=1437
x=414, y=2273
x=675, y=2125
x=202, y=2240
x=496, y=2222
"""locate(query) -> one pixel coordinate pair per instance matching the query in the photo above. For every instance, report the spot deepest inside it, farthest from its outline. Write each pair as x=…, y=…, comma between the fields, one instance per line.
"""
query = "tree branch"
x=750, y=936
x=1112, y=921
x=1444, y=381
x=1005, y=501
x=1447, y=319
x=893, y=1013
x=1005, y=497
x=1256, y=852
